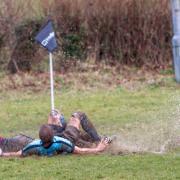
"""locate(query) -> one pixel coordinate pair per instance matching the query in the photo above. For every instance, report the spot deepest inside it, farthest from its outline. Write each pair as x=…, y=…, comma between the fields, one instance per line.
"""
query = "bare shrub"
x=25, y=50
x=131, y=32
x=12, y=15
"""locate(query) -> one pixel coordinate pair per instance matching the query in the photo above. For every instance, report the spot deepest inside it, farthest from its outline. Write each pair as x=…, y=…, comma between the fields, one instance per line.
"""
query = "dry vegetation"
x=96, y=77
x=130, y=32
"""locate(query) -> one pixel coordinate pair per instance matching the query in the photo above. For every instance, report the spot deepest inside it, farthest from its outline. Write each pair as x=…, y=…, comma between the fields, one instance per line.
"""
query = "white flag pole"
x=51, y=80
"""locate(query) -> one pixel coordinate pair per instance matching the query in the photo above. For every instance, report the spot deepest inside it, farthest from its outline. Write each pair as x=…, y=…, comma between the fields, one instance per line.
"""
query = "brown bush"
x=131, y=32
x=13, y=15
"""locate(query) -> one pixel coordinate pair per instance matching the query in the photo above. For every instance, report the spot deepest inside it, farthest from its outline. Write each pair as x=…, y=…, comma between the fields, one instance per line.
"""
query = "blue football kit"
x=58, y=146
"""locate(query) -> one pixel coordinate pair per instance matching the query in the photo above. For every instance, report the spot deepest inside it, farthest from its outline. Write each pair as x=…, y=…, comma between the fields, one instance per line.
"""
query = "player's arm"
x=100, y=147
x=29, y=149
x=11, y=154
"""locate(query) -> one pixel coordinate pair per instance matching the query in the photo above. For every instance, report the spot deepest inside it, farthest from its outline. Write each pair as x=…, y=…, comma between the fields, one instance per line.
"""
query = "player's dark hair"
x=45, y=133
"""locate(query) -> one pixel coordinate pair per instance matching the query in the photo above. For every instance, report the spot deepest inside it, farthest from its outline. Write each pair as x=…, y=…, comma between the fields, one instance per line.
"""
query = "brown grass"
x=87, y=76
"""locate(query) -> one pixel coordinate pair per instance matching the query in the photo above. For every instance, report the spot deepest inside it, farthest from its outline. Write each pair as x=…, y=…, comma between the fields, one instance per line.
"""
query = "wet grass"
x=111, y=111
x=92, y=167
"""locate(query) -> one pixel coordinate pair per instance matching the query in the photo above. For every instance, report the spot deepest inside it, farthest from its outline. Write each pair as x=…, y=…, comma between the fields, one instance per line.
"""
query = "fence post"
x=175, y=4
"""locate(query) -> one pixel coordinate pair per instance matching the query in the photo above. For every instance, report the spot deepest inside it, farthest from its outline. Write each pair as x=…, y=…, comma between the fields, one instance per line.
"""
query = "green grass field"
x=145, y=117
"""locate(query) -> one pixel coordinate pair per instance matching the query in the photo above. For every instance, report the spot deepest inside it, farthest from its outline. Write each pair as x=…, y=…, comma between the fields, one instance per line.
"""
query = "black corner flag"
x=46, y=37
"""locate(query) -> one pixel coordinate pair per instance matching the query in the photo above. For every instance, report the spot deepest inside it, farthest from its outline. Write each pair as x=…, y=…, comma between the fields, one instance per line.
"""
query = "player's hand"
x=103, y=144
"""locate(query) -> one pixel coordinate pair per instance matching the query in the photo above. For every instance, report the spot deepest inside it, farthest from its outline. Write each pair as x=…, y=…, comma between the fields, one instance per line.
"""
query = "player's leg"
x=73, y=133
x=16, y=143
x=88, y=127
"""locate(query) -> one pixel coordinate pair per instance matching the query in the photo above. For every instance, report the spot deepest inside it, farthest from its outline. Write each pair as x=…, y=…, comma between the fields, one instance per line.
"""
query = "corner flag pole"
x=51, y=80
x=46, y=37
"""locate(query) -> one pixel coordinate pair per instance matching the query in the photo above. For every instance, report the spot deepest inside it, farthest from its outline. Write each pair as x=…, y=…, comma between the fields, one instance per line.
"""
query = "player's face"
x=55, y=115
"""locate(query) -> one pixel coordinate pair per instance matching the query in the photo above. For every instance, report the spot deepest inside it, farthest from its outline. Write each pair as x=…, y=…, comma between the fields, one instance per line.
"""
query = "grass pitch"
x=142, y=119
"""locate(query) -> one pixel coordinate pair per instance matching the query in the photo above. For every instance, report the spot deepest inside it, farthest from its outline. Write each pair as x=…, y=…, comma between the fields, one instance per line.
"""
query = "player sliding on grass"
x=71, y=130
x=49, y=145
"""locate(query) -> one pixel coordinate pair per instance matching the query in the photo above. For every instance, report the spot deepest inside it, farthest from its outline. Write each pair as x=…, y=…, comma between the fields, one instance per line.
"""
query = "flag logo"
x=46, y=37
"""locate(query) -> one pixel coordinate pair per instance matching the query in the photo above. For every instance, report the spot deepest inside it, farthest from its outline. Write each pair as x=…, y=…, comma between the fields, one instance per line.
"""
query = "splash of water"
x=158, y=136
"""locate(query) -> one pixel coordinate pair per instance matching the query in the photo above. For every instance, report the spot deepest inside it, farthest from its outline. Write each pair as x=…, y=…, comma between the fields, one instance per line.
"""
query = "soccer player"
x=49, y=145
x=71, y=130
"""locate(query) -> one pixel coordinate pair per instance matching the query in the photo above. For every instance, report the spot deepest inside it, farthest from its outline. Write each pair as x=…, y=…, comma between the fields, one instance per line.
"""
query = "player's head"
x=55, y=117
x=55, y=114
x=46, y=134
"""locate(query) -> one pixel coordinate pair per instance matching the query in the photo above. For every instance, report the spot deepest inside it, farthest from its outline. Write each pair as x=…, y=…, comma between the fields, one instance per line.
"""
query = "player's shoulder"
x=58, y=139
x=34, y=143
